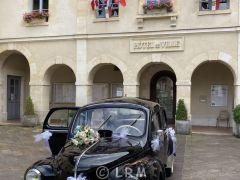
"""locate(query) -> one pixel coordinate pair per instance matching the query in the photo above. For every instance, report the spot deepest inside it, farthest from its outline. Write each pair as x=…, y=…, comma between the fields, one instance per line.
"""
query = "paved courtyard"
x=208, y=157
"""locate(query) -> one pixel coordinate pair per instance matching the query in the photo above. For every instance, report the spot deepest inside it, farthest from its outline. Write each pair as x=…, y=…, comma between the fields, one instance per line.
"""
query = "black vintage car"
x=114, y=156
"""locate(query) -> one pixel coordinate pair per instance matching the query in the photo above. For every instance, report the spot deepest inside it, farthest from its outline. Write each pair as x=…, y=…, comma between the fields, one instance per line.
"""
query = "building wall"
x=75, y=38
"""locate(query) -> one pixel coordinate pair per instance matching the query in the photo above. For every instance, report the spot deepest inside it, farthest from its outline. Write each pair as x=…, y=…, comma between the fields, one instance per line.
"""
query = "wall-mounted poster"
x=219, y=95
x=117, y=90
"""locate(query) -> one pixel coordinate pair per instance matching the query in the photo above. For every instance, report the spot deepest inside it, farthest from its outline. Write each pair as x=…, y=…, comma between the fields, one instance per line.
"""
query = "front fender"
x=46, y=167
x=46, y=170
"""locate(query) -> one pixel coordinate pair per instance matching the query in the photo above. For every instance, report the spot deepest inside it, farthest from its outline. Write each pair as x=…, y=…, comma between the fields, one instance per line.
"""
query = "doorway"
x=13, y=97
x=163, y=91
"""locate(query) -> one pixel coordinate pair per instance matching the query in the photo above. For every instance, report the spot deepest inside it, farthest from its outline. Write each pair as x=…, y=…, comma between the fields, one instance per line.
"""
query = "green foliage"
x=29, y=107
x=181, y=113
x=236, y=114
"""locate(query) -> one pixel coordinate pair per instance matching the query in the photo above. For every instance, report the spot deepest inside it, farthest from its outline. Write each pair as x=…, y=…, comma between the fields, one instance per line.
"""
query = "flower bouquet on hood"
x=85, y=136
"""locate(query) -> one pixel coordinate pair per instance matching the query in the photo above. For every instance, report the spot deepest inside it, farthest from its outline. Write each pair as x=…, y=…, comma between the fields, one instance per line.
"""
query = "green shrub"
x=29, y=107
x=181, y=113
x=236, y=114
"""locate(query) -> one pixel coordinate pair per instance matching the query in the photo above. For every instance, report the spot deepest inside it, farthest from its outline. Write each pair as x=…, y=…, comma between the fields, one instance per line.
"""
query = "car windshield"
x=119, y=120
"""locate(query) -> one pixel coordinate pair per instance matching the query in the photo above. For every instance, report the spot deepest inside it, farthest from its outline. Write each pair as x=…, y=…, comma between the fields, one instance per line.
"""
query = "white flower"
x=82, y=134
x=75, y=142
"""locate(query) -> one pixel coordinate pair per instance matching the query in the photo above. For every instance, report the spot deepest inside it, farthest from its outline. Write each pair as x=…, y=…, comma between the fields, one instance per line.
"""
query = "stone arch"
x=15, y=76
x=155, y=59
x=220, y=57
x=97, y=62
x=58, y=61
x=59, y=86
x=18, y=48
x=205, y=71
x=50, y=71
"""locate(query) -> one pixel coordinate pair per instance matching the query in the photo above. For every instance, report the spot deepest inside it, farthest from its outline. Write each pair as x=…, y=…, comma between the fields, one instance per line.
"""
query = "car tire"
x=162, y=173
x=169, y=171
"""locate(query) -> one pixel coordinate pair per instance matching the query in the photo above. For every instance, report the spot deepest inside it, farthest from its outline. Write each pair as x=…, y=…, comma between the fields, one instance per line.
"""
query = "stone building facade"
x=76, y=55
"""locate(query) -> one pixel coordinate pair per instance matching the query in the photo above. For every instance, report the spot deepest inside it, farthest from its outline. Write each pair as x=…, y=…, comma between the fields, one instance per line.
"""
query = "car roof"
x=138, y=101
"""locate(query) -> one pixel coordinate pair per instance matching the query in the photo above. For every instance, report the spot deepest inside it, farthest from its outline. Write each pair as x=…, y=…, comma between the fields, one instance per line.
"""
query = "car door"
x=58, y=122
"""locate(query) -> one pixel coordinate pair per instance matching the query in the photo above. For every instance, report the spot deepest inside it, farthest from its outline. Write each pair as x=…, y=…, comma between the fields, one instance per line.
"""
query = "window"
x=211, y=5
x=155, y=122
x=163, y=119
x=106, y=9
x=61, y=117
x=107, y=90
x=115, y=119
x=40, y=5
x=63, y=93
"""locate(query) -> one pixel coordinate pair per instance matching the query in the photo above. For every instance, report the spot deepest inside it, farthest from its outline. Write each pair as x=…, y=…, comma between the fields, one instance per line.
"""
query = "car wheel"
x=158, y=171
x=169, y=171
x=162, y=174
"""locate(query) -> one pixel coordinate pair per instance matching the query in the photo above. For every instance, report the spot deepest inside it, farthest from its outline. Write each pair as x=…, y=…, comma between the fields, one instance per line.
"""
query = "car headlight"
x=33, y=174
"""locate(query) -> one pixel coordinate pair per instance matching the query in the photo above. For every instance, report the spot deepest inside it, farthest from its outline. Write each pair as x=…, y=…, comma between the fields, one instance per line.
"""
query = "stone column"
x=237, y=84
x=236, y=94
x=184, y=92
x=83, y=94
x=131, y=89
x=83, y=87
x=3, y=103
x=40, y=95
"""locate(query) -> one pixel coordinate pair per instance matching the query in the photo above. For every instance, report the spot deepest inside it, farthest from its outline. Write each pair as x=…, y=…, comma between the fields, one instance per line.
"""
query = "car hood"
x=110, y=152
x=107, y=152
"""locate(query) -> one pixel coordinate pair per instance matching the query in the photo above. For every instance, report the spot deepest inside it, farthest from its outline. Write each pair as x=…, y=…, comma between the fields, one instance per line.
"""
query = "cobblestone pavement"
x=207, y=157
x=211, y=157
x=18, y=151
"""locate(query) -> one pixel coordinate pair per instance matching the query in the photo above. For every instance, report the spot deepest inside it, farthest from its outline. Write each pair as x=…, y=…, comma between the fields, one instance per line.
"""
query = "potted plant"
x=29, y=118
x=236, y=115
x=150, y=5
x=182, y=123
x=35, y=15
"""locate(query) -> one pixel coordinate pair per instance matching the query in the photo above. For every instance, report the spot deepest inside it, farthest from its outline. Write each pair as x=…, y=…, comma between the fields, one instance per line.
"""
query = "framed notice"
x=117, y=90
x=219, y=95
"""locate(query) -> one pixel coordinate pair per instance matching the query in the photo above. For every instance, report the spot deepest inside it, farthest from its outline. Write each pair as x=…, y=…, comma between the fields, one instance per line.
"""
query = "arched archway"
x=212, y=91
x=15, y=78
x=60, y=82
x=211, y=56
x=102, y=60
x=107, y=80
x=158, y=83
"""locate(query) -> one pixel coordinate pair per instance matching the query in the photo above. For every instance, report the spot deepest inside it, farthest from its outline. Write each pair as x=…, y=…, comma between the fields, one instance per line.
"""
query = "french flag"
x=122, y=2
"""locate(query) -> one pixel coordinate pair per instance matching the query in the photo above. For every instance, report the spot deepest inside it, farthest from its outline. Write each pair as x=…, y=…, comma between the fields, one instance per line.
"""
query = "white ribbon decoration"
x=172, y=134
x=155, y=144
x=43, y=136
x=80, y=177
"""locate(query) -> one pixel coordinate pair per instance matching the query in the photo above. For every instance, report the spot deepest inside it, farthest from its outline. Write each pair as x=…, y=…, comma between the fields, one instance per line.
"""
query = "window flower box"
x=36, y=16
x=153, y=5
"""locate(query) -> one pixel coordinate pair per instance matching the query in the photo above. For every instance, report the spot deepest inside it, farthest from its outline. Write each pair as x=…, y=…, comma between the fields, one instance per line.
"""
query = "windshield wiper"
x=105, y=122
x=135, y=120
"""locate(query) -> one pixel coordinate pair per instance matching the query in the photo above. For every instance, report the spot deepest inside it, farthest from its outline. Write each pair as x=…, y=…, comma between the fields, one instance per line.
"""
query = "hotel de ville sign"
x=157, y=44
